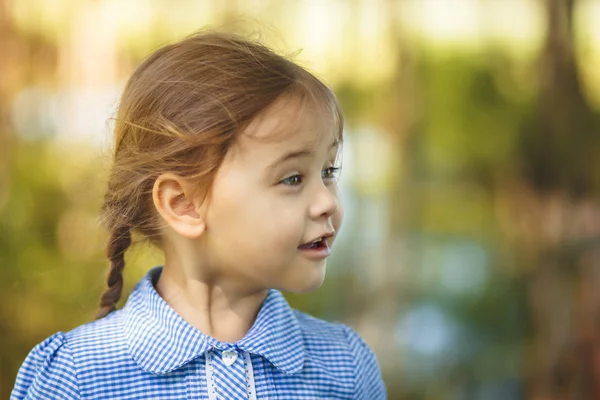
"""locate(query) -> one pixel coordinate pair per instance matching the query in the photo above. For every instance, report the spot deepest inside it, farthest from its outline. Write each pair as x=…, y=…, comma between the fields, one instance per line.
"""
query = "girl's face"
x=275, y=192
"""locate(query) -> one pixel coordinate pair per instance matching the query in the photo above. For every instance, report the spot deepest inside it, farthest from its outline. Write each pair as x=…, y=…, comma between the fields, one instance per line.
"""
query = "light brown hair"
x=180, y=112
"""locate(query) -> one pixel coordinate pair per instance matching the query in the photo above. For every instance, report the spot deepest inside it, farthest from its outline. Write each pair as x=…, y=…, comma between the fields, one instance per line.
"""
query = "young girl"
x=225, y=159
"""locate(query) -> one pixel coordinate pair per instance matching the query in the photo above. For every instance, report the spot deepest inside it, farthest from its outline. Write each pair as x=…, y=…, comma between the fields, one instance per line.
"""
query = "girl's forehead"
x=292, y=121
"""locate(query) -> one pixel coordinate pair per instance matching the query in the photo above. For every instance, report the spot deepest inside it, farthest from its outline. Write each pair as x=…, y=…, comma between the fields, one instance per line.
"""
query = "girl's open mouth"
x=315, y=250
x=317, y=244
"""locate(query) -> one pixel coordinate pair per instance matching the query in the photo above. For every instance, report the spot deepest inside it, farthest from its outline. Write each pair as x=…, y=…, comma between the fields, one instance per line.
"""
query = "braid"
x=119, y=242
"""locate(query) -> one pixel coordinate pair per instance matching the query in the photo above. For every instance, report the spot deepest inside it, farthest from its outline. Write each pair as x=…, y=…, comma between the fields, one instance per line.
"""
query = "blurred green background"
x=470, y=255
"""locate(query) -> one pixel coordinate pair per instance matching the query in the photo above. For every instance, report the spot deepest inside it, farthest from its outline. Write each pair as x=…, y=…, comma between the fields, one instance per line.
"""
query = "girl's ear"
x=179, y=205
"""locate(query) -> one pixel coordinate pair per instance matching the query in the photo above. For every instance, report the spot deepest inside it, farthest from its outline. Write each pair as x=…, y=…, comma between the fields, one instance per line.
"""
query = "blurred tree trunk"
x=555, y=199
x=560, y=148
x=388, y=289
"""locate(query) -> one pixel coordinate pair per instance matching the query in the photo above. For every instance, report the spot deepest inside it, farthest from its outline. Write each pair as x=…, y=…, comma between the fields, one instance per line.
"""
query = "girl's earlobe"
x=192, y=231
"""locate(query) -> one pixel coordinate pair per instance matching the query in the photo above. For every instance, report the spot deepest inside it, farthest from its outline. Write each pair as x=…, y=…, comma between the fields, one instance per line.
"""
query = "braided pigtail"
x=119, y=241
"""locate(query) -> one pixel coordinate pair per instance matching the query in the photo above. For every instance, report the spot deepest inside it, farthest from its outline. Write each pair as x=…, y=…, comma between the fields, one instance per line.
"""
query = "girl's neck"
x=215, y=309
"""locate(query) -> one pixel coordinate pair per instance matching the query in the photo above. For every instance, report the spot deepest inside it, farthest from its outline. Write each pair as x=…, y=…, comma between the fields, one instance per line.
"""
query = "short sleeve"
x=368, y=381
x=48, y=372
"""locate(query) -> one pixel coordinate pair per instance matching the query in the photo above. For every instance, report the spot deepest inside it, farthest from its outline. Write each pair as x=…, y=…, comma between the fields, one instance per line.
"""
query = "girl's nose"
x=325, y=203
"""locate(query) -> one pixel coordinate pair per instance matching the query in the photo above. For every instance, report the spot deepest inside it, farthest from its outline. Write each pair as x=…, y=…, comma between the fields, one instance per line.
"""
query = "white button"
x=229, y=357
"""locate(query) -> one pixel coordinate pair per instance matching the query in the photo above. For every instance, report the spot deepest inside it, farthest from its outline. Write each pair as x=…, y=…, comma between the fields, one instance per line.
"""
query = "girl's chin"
x=309, y=283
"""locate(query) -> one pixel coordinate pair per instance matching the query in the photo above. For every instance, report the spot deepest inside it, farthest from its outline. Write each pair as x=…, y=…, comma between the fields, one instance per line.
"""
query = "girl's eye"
x=293, y=180
x=330, y=173
x=296, y=180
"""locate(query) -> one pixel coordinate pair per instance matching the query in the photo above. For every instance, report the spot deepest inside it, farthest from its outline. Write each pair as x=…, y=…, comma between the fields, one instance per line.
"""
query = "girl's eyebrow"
x=298, y=154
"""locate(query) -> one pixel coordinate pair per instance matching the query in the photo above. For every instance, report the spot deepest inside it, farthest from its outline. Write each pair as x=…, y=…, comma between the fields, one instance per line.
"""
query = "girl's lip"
x=318, y=253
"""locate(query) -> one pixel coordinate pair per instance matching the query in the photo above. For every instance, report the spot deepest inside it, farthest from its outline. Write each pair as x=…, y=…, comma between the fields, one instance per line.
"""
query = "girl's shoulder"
x=53, y=367
x=332, y=340
x=48, y=363
x=99, y=336
x=335, y=333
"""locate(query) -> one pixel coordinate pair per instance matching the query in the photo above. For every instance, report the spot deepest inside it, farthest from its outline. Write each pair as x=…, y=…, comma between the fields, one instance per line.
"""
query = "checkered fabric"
x=147, y=351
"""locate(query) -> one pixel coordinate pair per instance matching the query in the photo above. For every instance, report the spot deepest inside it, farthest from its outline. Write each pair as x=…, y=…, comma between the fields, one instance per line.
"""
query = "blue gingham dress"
x=147, y=351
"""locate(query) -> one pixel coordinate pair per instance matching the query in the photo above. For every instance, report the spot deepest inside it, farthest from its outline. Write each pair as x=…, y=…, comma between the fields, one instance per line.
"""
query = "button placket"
x=229, y=374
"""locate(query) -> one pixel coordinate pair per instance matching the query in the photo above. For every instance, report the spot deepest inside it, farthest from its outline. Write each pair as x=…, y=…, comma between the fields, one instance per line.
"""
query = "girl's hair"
x=180, y=112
